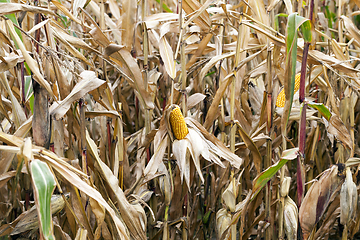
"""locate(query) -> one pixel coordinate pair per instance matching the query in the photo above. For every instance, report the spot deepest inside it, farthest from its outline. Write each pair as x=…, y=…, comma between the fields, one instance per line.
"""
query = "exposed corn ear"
x=178, y=124
x=280, y=101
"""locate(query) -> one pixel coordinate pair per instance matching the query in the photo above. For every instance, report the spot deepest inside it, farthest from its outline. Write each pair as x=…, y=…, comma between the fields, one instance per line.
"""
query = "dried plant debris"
x=186, y=119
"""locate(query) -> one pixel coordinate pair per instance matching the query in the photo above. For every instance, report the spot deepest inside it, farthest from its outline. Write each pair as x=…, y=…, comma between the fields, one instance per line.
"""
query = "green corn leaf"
x=44, y=185
x=265, y=176
x=294, y=23
x=322, y=109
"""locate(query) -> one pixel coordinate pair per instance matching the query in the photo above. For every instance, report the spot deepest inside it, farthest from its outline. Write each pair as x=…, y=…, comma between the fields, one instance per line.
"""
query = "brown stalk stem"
x=352, y=123
x=83, y=136
x=146, y=68
x=121, y=149
x=268, y=157
x=183, y=63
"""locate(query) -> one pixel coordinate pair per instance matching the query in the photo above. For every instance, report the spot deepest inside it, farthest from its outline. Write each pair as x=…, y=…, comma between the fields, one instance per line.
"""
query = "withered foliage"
x=89, y=148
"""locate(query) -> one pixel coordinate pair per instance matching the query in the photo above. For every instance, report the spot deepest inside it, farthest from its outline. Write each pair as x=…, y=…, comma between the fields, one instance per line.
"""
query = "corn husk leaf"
x=291, y=218
x=319, y=197
x=348, y=199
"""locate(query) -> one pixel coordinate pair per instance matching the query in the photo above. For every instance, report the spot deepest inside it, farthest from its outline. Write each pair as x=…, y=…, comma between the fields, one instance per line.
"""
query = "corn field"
x=179, y=119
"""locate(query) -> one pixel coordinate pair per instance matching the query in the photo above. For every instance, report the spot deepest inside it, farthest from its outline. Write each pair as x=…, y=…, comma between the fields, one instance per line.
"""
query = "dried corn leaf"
x=87, y=83
x=167, y=55
x=334, y=62
x=191, y=7
x=18, y=112
x=212, y=62
x=66, y=11
x=8, y=8
x=69, y=46
x=129, y=214
x=74, y=41
x=337, y=128
x=29, y=60
x=128, y=15
x=75, y=180
x=8, y=62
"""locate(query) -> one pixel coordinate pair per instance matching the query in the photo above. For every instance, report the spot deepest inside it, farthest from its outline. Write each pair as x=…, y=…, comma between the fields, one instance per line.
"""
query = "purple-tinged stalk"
x=302, y=128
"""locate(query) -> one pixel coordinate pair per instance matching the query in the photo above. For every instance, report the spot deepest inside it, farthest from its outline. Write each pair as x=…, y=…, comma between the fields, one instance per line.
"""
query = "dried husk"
x=318, y=198
x=348, y=199
x=291, y=218
x=223, y=220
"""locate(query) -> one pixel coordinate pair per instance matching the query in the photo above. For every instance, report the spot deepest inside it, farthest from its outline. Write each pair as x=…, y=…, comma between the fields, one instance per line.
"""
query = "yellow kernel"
x=178, y=124
x=280, y=101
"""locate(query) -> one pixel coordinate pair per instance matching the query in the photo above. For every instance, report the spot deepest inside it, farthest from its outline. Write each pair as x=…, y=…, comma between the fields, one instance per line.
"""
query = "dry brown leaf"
x=75, y=180
x=337, y=128
x=69, y=46
x=203, y=21
x=74, y=41
x=128, y=213
x=257, y=159
x=87, y=83
x=8, y=62
x=160, y=144
x=353, y=30
x=220, y=149
x=8, y=8
x=194, y=99
x=66, y=11
x=78, y=4
x=167, y=55
x=29, y=60
x=210, y=116
x=128, y=15
x=259, y=13
x=18, y=111
x=332, y=61
x=213, y=61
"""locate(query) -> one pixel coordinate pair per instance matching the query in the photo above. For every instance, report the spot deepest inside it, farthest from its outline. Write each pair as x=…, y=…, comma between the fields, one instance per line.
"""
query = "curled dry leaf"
x=203, y=21
x=167, y=55
x=8, y=62
x=337, y=128
x=29, y=60
x=87, y=83
x=132, y=216
x=9, y=8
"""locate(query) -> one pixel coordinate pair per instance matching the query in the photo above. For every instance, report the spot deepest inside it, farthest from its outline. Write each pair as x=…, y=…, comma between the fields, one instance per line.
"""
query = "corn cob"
x=178, y=124
x=280, y=101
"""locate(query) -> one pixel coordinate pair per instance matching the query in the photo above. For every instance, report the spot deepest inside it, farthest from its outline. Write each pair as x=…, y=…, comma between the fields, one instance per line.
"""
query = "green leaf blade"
x=44, y=185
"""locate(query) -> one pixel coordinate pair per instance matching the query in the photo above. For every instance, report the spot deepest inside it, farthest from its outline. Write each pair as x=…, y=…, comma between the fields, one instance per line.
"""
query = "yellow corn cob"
x=280, y=101
x=178, y=124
